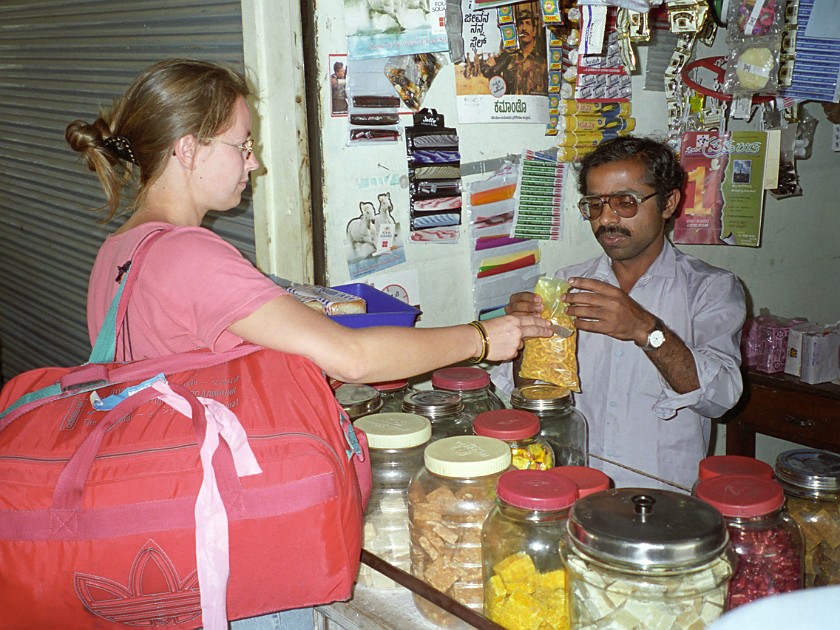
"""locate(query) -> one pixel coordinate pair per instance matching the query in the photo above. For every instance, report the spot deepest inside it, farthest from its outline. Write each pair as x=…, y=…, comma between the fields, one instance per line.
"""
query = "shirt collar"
x=664, y=266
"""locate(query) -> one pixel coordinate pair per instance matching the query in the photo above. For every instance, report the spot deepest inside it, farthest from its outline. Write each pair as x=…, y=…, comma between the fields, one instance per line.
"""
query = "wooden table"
x=783, y=407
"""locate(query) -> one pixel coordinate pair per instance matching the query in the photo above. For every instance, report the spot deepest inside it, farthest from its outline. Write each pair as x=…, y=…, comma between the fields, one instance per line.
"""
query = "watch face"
x=656, y=338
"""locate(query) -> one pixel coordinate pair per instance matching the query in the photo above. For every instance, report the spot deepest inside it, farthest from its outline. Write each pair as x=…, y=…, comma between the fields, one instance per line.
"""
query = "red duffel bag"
x=110, y=516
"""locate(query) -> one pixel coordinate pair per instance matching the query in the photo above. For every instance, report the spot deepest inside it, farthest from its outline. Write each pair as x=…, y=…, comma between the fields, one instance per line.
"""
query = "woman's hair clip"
x=121, y=147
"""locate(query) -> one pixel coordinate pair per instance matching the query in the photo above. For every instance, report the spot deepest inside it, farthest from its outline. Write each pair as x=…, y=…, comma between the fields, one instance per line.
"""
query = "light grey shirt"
x=635, y=418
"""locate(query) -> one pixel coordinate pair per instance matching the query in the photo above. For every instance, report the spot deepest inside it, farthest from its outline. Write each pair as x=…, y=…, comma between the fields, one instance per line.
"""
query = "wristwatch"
x=656, y=337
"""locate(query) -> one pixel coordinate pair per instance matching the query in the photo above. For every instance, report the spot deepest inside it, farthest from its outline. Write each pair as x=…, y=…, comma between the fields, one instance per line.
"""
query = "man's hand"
x=602, y=308
x=524, y=303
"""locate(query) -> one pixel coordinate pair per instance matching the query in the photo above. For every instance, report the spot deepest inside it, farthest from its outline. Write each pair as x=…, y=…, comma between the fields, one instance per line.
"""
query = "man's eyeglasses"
x=624, y=204
x=246, y=147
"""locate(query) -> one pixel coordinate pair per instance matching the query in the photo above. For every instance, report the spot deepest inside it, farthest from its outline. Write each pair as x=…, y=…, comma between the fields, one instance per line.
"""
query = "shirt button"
x=613, y=404
x=619, y=353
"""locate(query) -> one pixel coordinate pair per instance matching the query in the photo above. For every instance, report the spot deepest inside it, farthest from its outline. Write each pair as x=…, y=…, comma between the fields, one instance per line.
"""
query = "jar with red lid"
x=524, y=576
x=588, y=480
x=392, y=394
x=561, y=424
x=473, y=384
x=716, y=465
x=767, y=541
x=521, y=431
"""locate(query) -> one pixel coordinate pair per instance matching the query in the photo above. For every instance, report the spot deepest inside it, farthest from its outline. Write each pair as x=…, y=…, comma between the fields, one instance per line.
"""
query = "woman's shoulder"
x=177, y=240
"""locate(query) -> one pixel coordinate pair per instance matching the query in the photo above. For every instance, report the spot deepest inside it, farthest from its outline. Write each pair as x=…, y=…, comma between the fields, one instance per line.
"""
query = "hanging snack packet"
x=553, y=359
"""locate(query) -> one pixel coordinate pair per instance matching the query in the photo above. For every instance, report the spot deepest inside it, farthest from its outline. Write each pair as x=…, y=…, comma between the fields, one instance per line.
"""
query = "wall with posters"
x=793, y=273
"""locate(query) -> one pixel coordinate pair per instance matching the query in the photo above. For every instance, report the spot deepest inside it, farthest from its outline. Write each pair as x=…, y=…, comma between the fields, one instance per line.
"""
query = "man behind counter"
x=658, y=330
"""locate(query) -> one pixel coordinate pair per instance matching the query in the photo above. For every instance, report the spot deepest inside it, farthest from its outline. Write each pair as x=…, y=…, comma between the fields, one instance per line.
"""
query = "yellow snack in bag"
x=553, y=359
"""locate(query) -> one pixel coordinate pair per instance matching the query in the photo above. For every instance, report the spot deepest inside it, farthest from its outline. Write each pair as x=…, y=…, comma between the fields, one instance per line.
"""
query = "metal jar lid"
x=433, y=403
x=646, y=529
x=540, y=397
x=358, y=400
x=809, y=469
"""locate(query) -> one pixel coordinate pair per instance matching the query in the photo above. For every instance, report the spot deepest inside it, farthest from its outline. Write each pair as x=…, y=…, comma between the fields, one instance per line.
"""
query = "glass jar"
x=811, y=482
x=392, y=394
x=588, y=480
x=443, y=409
x=521, y=431
x=524, y=576
x=448, y=500
x=397, y=442
x=473, y=384
x=716, y=465
x=766, y=540
x=358, y=400
x=645, y=558
x=563, y=427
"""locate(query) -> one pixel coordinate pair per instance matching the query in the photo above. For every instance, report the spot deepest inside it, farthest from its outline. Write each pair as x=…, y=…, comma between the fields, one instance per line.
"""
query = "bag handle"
x=105, y=348
x=69, y=489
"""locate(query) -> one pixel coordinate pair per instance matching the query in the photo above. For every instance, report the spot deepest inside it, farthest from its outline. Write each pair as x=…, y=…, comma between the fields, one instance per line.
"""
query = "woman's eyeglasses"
x=246, y=147
x=624, y=204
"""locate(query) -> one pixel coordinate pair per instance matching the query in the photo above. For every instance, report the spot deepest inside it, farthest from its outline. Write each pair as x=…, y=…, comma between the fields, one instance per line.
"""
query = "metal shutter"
x=61, y=60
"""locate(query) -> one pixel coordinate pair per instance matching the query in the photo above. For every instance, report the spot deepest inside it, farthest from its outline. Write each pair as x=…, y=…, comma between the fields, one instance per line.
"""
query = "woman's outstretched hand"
x=507, y=334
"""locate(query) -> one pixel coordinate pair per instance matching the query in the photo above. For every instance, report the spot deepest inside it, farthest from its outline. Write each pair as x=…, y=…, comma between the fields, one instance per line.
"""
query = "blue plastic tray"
x=382, y=309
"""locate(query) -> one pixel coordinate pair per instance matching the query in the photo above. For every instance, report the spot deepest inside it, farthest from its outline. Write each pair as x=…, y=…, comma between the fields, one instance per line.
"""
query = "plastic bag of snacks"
x=553, y=359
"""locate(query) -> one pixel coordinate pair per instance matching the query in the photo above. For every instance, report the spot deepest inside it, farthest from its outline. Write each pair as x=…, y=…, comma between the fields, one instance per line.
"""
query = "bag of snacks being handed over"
x=553, y=359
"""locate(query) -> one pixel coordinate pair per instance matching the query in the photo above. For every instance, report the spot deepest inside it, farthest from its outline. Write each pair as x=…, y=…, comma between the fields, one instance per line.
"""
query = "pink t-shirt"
x=191, y=287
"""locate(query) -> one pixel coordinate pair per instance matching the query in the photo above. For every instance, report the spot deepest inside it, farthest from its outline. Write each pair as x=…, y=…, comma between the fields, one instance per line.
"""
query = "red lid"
x=536, y=490
x=733, y=465
x=390, y=386
x=588, y=480
x=741, y=495
x=507, y=424
x=460, y=378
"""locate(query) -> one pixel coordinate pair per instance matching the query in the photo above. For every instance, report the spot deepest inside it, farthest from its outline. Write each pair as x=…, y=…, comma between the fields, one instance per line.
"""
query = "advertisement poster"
x=373, y=236
x=495, y=84
x=382, y=28
x=723, y=199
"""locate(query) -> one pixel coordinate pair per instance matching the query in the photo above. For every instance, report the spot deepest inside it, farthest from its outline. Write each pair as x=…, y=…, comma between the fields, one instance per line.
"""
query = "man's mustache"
x=611, y=231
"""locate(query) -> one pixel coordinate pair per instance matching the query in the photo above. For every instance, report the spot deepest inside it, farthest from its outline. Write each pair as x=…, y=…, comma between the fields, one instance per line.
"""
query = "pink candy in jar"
x=767, y=541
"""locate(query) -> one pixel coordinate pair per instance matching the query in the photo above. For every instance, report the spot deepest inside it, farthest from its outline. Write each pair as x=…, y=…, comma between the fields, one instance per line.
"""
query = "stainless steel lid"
x=643, y=528
x=358, y=400
x=540, y=397
x=809, y=469
x=433, y=402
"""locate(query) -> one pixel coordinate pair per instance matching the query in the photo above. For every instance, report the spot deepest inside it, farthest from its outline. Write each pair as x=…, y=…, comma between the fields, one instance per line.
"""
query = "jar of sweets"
x=397, y=442
x=811, y=481
x=521, y=431
x=445, y=411
x=358, y=400
x=563, y=427
x=392, y=394
x=448, y=500
x=766, y=540
x=645, y=558
x=473, y=384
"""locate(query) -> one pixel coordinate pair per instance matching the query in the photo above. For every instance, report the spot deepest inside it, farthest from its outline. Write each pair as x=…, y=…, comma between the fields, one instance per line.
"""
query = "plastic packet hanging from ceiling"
x=412, y=75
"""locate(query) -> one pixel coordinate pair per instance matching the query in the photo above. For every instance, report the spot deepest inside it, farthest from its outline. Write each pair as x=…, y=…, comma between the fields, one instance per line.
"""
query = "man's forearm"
x=676, y=364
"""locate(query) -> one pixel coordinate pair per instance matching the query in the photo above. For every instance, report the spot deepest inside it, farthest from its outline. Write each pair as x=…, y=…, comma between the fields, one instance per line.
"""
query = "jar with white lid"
x=521, y=431
x=392, y=394
x=396, y=442
x=524, y=576
x=448, y=500
x=443, y=409
x=811, y=481
x=766, y=540
x=645, y=558
x=588, y=480
x=561, y=424
x=358, y=400
x=716, y=465
x=473, y=384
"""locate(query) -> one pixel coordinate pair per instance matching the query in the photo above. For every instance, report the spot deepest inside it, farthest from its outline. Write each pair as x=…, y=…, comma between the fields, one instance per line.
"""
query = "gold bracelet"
x=485, y=342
